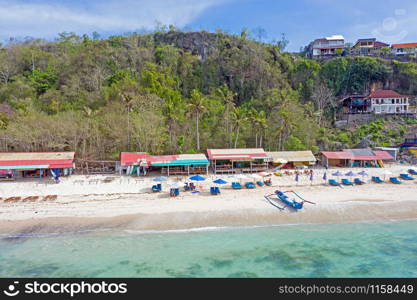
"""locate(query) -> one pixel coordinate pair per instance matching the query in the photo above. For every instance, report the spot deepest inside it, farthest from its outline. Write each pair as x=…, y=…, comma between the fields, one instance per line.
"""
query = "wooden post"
x=188, y=170
x=207, y=170
x=168, y=171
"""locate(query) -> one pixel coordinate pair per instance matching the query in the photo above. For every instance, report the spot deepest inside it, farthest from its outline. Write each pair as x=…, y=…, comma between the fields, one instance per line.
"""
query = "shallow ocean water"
x=334, y=250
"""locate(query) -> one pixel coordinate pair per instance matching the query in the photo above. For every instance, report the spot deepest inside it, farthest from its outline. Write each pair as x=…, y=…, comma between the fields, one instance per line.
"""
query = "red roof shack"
x=35, y=164
x=356, y=158
x=36, y=160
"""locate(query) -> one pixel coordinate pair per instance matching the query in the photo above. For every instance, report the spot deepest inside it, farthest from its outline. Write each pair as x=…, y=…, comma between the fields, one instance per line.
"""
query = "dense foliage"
x=175, y=92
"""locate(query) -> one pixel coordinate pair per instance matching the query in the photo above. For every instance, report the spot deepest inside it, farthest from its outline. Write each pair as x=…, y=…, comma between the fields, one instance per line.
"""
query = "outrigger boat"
x=286, y=200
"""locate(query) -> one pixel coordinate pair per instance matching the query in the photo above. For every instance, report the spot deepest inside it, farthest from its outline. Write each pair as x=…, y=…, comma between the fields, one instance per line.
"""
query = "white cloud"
x=44, y=19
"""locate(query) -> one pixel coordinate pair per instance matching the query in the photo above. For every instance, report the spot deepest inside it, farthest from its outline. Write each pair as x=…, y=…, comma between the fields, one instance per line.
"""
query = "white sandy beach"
x=85, y=203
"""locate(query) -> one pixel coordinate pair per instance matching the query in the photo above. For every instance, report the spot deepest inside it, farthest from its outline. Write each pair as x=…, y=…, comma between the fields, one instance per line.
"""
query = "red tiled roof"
x=382, y=155
x=379, y=155
x=338, y=155
x=50, y=159
x=386, y=94
x=405, y=45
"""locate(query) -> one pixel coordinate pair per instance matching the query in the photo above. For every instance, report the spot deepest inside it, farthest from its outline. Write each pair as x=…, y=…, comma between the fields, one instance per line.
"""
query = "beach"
x=91, y=202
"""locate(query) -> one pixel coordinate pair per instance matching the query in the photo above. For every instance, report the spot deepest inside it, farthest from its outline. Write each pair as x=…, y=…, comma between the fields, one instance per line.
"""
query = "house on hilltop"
x=369, y=46
x=404, y=49
x=328, y=46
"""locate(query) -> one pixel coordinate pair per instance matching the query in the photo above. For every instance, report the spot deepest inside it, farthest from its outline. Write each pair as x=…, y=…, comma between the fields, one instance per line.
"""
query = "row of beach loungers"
x=30, y=198
x=375, y=179
x=214, y=190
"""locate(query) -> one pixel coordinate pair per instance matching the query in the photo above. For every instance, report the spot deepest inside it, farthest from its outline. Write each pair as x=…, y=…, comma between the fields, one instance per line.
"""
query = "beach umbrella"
x=363, y=173
x=177, y=185
x=337, y=174
x=220, y=181
x=197, y=178
x=160, y=179
x=350, y=174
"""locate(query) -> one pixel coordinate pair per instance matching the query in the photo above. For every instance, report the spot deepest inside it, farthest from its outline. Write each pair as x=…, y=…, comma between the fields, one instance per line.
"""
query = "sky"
x=301, y=21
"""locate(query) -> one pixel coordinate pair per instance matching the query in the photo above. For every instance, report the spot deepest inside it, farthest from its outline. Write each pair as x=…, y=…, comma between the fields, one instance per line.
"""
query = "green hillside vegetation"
x=177, y=92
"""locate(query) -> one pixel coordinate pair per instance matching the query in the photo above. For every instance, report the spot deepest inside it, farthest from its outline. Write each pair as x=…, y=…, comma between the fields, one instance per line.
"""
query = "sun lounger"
x=156, y=188
x=214, y=190
x=250, y=185
x=376, y=179
x=236, y=185
x=268, y=183
x=347, y=182
x=358, y=181
x=395, y=180
x=406, y=177
x=260, y=183
x=174, y=192
x=412, y=172
x=334, y=182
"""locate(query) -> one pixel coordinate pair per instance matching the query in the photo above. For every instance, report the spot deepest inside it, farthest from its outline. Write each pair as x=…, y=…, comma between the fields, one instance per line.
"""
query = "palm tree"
x=129, y=102
x=227, y=96
x=258, y=119
x=239, y=116
x=198, y=106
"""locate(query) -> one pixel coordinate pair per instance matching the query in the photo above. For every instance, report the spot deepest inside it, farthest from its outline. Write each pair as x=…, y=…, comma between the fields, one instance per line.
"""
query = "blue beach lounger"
x=236, y=186
x=376, y=179
x=412, y=172
x=334, y=182
x=395, y=180
x=347, y=182
x=250, y=185
x=358, y=181
x=406, y=177
x=156, y=188
x=260, y=183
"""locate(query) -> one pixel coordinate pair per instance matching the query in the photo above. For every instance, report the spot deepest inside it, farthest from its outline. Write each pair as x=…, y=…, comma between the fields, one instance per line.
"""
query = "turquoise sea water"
x=348, y=250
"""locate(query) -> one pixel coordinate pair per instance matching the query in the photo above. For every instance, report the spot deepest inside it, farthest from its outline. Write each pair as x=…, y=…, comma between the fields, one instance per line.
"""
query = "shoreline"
x=361, y=211
x=127, y=203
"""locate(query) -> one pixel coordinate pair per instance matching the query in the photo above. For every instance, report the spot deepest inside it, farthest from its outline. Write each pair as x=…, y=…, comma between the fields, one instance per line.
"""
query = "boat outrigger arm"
x=291, y=203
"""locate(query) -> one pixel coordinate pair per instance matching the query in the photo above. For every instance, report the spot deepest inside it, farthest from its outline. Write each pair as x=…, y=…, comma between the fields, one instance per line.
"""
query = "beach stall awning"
x=24, y=167
x=179, y=160
x=292, y=156
x=36, y=160
x=237, y=154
